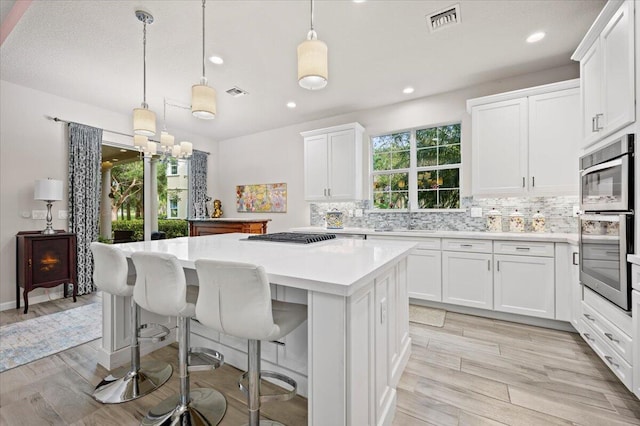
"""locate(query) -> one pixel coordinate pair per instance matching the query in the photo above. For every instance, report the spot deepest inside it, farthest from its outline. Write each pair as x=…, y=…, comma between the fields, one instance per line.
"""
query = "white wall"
x=33, y=147
x=277, y=155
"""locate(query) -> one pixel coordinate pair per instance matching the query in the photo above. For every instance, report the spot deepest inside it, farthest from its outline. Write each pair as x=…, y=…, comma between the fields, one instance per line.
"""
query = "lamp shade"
x=176, y=151
x=203, y=102
x=186, y=148
x=144, y=122
x=48, y=190
x=166, y=139
x=140, y=141
x=151, y=148
x=313, y=71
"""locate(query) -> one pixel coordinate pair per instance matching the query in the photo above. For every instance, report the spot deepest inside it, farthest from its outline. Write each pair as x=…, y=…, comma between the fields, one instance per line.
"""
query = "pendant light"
x=203, y=97
x=144, y=120
x=313, y=69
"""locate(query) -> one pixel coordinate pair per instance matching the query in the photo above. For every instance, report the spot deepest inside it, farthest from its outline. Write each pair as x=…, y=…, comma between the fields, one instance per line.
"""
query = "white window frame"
x=413, y=170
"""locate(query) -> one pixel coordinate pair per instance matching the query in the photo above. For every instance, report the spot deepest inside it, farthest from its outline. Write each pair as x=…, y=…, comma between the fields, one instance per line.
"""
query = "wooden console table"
x=44, y=261
x=198, y=227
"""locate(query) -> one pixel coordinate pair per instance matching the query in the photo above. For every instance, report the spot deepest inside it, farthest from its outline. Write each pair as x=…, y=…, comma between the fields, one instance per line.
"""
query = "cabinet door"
x=342, y=157
x=576, y=288
x=591, y=87
x=635, y=314
x=425, y=275
x=554, y=141
x=467, y=279
x=499, y=140
x=617, y=46
x=524, y=285
x=316, y=169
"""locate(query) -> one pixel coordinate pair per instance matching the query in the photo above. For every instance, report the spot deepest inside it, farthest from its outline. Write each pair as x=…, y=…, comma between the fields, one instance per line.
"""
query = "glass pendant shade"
x=140, y=141
x=144, y=122
x=203, y=101
x=313, y=71
x=166, y=140
x=186, y=148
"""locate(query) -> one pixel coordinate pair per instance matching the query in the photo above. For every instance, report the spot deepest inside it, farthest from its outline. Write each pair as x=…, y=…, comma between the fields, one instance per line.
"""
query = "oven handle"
x=607, y=165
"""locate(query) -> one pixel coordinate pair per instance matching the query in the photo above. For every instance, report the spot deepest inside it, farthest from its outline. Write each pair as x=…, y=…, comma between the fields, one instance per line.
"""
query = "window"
x=173, y=207
x=420, y=165
x=172, y=167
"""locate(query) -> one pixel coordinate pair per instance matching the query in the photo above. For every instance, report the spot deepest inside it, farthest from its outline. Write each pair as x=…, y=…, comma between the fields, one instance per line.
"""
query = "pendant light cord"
x=311, y=15
x=203, y=3
x=144, y=64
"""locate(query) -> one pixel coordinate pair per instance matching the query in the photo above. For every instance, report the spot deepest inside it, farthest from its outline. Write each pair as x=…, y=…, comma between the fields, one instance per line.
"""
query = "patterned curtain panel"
x=85, y=157
x=197, y=180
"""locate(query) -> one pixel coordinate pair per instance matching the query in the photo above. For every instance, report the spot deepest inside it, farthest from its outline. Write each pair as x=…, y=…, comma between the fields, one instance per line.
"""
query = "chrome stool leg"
x=128, y=383
x=199, y=406
x=252, y=390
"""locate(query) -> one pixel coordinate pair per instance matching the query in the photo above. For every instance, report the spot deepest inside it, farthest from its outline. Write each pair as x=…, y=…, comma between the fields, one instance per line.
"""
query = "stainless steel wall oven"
x=606, y=225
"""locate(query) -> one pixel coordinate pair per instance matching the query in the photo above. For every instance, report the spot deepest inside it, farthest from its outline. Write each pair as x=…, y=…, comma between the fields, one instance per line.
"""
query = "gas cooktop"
x=292, y=237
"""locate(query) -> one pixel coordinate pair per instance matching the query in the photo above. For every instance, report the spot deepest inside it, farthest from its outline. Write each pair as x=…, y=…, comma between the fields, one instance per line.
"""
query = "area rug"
x=32, y=339
x=428, y=316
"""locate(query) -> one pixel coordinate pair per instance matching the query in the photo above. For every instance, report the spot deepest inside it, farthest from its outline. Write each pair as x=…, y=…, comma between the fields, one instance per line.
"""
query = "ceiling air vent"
x=237, y=92
x=444, y=18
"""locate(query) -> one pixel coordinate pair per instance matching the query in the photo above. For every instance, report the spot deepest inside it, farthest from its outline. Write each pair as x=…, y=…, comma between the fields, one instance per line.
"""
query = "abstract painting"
x=262, y=198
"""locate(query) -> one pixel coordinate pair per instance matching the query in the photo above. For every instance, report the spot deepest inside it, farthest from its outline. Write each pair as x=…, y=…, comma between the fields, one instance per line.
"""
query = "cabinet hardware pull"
x=325, y=192
x=610, y=359
x=593, y=125
x=278, y=342
x=498, y=265
x=587, y=316
x=466, y=245
x=329, y=192
x=598, y=128
x=523, y=248
x=574, y=258
x=587, y=336
x=533, y=181
x=488, y=265
x=610, y=336
x=523, y=181
x=29, y=263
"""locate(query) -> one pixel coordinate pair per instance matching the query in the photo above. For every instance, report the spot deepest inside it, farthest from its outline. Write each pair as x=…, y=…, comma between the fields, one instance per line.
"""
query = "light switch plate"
x=476, y=211
x=39, y=214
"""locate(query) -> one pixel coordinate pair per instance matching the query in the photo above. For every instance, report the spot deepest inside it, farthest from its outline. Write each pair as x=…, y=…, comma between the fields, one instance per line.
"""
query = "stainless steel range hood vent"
x=443, y=18
x=236, y=92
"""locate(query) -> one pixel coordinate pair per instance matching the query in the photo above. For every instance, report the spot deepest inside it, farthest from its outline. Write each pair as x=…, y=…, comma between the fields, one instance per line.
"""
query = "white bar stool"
x=111, y=275
x=161, y=288
x=242, y=294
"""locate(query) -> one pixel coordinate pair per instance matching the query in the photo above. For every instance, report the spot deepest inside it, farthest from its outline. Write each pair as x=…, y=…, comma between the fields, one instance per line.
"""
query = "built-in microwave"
x=606, y=178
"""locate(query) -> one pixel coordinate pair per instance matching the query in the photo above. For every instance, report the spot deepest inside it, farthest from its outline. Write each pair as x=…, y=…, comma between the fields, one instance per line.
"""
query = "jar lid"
x=516, y=213
x=494, y=212
x=538, y=215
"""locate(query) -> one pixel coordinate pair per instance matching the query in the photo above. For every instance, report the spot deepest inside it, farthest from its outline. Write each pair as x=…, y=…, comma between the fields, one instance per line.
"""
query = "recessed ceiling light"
x=123, y=150
x=359, y=1
x=216, y=60
x=408, y=90
x=291, y=104
x=535, y=37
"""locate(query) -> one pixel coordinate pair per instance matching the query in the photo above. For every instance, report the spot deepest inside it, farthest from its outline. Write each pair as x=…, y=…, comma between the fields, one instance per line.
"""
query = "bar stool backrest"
x=235, y=298
x=110, y=272
x=161, y=284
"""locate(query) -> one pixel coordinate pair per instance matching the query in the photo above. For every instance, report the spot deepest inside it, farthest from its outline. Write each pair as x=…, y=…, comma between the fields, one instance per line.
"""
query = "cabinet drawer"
x=527, y=248
x=609, y=333
x=423, y=243
x=475, y=246
x=615, y=362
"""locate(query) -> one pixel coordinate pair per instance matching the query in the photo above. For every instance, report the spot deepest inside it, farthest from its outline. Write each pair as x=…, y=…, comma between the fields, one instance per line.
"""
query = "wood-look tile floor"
x=472, y=371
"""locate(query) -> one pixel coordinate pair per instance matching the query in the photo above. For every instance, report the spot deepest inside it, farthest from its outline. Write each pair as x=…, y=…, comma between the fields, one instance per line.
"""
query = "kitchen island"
x=348, y=357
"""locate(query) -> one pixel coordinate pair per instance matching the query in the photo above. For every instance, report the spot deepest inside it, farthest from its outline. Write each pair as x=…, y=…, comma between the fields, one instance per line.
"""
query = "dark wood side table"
x=198, y=227
x=45, y=261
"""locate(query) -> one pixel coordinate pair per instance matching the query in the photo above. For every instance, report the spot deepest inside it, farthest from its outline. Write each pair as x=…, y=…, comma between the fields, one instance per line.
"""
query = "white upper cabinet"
x=333, y=163
x=524, y=142
x=606, y=56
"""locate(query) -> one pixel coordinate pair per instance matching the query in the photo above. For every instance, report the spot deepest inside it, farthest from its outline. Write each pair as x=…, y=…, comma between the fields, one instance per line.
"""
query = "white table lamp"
x=48, y=190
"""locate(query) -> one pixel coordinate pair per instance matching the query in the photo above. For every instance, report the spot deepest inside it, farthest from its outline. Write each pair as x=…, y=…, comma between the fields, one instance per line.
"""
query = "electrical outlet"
x=476, y=211
x=63, y=214
x=26, y=214
x=39, y=214
x=358, y=212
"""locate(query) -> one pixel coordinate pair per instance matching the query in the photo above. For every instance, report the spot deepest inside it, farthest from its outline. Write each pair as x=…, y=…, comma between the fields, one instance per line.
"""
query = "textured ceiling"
x=91, y=51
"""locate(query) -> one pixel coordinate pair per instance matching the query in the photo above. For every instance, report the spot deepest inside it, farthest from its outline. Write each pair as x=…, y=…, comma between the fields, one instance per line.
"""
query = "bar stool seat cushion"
x=111, y=273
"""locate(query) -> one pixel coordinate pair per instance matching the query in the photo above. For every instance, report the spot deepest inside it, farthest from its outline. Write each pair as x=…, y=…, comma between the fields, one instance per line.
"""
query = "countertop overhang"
x=338, y=266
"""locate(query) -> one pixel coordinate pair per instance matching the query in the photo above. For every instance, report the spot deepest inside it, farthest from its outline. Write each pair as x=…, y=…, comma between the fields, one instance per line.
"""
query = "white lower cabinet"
x=635, y=303
x=524, y=285
x=467, y=279
x=425, y=274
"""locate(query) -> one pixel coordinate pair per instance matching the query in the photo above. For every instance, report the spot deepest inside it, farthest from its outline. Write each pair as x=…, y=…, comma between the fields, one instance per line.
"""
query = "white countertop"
x=633, y=258
x=555, y=237
x=339, y=266
x=228, y=219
